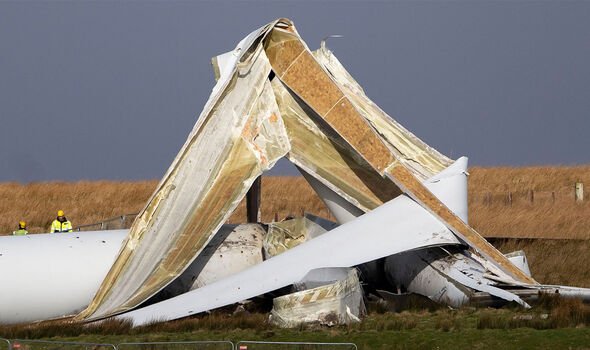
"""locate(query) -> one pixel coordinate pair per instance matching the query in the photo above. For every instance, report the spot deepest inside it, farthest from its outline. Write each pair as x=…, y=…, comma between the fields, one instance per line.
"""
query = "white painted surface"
x=339, y=207
x=450, y=187
x=397, y=226
x=413, y=272
x=518, y=258
x=445, y=278
x=44, y=276
x=241, y=249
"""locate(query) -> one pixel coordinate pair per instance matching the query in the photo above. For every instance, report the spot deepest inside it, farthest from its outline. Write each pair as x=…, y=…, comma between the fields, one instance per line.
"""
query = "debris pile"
x=400, y=207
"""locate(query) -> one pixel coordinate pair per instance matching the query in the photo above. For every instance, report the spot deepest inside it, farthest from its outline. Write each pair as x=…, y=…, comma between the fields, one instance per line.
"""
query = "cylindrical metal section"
x=44, y=276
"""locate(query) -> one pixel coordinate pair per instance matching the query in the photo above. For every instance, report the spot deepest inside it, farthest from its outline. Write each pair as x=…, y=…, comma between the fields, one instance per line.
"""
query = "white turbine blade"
x=397, y=226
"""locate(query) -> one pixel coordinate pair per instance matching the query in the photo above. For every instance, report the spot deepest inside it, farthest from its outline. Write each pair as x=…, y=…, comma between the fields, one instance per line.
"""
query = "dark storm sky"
x=110, y=90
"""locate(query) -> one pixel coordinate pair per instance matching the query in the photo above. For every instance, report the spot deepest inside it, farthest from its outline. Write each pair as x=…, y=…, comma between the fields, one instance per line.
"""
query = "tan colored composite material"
x=233, y=143
x=249, y=123
x=306, y=78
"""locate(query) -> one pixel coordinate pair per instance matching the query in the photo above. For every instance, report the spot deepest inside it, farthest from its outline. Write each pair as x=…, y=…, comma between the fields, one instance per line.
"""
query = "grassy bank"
x=561, y=324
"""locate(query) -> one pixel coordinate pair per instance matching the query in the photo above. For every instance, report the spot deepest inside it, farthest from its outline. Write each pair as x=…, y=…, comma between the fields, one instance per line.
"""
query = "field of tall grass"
x=556, y=216
x=83, y=202
x=552, y=214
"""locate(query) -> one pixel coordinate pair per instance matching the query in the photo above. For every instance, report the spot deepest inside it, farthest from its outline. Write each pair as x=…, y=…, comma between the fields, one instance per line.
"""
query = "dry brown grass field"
x=83, y=202
x=553, y=213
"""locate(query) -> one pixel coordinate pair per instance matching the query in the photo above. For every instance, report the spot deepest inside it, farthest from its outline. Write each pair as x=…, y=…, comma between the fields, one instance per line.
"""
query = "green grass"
x=419, y=338
x=553, y=324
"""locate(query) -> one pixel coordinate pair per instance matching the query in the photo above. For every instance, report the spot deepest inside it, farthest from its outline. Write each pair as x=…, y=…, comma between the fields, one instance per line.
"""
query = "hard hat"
x=60, y=213
x=22, y=224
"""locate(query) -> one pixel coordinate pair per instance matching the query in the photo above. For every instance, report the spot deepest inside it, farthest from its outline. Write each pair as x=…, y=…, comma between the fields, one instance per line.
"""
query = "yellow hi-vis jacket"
x=20, y=232
x=57, y=226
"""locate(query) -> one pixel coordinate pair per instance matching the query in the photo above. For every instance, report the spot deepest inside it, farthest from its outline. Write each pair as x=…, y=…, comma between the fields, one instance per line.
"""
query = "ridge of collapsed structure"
x=397, y=201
